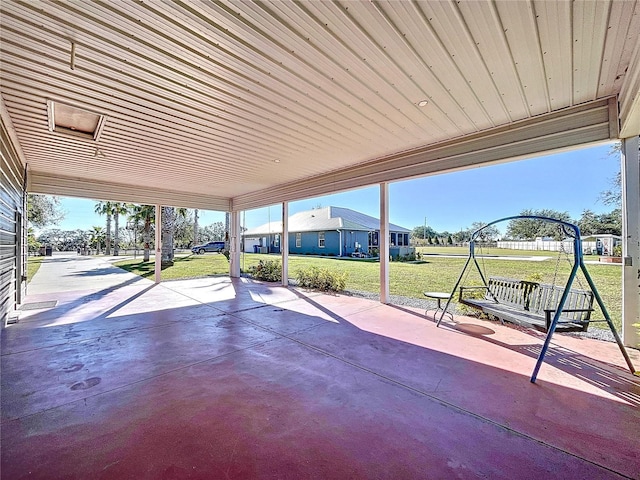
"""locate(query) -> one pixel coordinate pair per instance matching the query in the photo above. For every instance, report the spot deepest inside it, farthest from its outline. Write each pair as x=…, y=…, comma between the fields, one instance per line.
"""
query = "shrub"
x=535, y=277
x=269, y=271
x=321, y=279
x=617, y=251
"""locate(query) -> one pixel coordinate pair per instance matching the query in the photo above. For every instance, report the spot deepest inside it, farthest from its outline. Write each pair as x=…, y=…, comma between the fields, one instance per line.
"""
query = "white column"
x=158, y=255
x=630, y=242
x=284, y=244
x=235, y=236
x=384, y=243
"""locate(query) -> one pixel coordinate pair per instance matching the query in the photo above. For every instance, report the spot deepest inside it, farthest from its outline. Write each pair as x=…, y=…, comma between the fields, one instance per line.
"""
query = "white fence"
x=547, y=245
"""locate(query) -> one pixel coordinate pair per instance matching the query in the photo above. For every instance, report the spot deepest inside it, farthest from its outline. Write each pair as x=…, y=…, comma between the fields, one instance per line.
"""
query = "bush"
x=321, y=279
x=269, y=271
x=617, y=251
x=535, y=277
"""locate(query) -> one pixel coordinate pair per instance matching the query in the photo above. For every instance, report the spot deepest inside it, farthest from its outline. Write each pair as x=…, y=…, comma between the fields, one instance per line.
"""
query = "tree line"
x=180, y=228
x=590, y=223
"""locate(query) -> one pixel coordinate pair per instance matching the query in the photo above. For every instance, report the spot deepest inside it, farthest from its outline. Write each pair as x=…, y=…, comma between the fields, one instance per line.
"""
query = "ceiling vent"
x=73, y=121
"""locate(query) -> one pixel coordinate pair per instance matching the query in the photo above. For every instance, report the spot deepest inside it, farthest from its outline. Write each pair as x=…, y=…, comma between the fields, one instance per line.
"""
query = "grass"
x=188, y=266
x=411, y=279
x=33, y=265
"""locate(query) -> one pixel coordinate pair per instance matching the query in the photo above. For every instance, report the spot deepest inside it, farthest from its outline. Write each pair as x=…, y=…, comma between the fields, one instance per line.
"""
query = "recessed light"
x=276, y=161
x=423, y=103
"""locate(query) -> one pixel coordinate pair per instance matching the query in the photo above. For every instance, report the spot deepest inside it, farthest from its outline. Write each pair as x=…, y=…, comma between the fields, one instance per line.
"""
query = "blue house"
x=330, y=231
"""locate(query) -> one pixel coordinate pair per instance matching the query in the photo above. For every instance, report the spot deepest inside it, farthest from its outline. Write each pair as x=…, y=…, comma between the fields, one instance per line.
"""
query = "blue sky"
x=570, y=181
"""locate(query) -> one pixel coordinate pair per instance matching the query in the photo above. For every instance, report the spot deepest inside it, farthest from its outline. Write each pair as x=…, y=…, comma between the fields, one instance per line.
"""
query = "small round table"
x=439, y=296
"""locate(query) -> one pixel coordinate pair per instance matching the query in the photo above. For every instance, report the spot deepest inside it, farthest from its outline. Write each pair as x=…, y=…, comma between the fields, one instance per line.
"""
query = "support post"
x=158, y=244
x=630, y=171
x=284, y=244
x=384, y=243
x=234, y=245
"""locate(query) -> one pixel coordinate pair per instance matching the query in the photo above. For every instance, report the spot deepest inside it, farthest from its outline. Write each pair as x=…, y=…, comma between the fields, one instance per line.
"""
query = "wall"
x=12, y=226
x=349, y=240
x=309, y=244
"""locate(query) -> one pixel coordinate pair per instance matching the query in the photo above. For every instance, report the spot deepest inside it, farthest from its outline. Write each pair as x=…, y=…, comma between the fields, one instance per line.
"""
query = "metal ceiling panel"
x=229, y=100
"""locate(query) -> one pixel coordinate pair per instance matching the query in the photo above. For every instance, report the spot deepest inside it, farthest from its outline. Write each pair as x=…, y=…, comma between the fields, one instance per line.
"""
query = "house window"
x=400, y=240
x=373, y=239
x=321, y=239
x=392, y=239
x=276, y=241
x=406, y=239
x=298, y=240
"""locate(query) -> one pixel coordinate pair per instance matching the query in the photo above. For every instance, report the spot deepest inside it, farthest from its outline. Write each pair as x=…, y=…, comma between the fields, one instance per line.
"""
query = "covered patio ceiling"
x=234, y=105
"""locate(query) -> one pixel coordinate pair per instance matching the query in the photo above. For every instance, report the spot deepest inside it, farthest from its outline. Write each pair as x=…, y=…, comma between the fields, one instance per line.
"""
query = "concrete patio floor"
x=232, y=379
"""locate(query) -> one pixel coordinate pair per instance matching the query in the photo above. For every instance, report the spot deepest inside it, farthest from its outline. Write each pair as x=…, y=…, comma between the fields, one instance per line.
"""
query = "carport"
x=236, y=105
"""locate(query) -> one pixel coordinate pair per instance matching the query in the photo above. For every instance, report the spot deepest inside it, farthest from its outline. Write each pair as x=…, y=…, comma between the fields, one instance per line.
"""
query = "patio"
x=229, y=378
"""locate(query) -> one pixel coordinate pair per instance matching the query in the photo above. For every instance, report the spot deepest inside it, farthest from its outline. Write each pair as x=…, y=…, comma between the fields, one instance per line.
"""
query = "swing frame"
x=572, y=231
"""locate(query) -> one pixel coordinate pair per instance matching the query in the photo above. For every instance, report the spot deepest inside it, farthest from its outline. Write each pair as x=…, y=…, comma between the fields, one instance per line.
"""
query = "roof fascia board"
x=585, y=124
x=7, y=123
x=75, y=187
x=630, y=98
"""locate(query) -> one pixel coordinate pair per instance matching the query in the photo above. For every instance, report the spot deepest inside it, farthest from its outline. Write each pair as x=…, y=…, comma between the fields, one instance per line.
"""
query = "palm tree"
x=147, y=215
x=96, y=238
x=168, y=226
x=106, y=208
x=117, y=210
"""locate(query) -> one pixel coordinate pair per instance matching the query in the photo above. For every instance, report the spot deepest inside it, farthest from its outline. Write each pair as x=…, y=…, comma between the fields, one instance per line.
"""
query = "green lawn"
x=33, y=264
x=408, y=279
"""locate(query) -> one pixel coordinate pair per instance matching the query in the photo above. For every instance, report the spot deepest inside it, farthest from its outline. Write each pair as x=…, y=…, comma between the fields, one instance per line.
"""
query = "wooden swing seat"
x=531, y=304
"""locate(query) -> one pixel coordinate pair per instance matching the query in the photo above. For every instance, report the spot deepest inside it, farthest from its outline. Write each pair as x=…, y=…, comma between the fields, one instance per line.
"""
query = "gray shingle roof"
x=323, y=219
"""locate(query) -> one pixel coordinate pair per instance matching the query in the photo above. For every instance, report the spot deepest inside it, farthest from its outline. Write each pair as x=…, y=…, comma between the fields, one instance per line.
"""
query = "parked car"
x=208, y=247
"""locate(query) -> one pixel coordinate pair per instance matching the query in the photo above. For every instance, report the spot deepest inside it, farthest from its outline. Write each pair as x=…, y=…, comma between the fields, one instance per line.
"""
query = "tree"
x=196, y=217
x=118, y=209
x=212, y=232
x=613, y=196
x=610, y=222
x=168, y=230
x=97, y=238
x=43, y=210
x=462, y=236
x=146, y=214
x=489, y=234
x=183, y=231
x=588, y=223
x=32, y=244
x=529, y=229
x=106, y=208
x=420, y=233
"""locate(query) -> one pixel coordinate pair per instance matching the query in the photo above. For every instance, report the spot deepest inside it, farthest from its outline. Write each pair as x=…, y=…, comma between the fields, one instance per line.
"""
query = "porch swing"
x=545, y=307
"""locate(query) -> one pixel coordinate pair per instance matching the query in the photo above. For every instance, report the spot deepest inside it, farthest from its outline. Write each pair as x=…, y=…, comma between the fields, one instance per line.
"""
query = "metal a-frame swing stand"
x=574, y=232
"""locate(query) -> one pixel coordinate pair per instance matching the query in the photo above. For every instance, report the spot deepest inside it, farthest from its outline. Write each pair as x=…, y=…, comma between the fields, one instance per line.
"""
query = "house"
x=330, y=231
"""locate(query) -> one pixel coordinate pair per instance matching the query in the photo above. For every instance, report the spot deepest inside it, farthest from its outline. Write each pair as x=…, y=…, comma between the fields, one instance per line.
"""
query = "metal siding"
x=11, y=202
x=310, y=244
x=204, y=97
x=584, y=124
x=332, y=243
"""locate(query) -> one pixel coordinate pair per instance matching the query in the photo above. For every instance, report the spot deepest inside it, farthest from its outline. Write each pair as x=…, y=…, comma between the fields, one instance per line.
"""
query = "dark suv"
x=208, y=247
